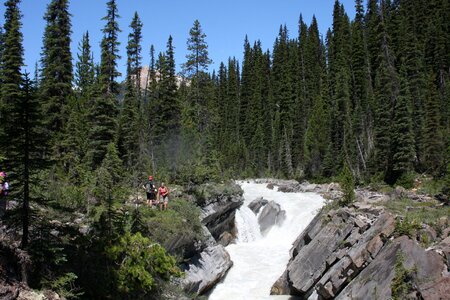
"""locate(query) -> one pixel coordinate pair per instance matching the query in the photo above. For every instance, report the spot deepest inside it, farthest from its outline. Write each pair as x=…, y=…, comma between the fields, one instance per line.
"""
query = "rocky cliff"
x=366, y=252
x=218, y=203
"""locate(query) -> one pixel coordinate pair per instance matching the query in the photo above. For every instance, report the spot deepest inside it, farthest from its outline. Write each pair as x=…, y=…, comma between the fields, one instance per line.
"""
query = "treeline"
x=372, y=94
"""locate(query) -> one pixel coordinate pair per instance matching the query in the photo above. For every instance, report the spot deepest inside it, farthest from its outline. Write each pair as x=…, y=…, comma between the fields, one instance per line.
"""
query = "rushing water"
x=260, y=260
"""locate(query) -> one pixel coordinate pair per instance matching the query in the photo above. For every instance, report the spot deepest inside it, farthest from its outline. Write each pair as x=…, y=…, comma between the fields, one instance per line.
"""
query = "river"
x=260, y=260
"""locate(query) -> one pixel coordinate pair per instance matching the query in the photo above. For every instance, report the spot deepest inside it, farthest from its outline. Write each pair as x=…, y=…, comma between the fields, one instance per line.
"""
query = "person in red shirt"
x=163, y=195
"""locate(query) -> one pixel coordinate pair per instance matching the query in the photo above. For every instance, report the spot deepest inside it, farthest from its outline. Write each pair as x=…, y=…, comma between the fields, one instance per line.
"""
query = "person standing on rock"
x=150, y=190
x=163, y=196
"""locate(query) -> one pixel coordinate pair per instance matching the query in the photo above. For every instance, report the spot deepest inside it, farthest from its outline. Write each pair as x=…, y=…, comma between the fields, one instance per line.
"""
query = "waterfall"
x=260, y=260
x=247, y=224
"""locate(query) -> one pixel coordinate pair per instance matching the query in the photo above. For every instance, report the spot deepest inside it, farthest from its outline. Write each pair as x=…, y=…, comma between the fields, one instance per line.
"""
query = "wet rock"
x=271, y=215
x=281, y=286
x=257, y=204
x=225, y=239
x=208, y=269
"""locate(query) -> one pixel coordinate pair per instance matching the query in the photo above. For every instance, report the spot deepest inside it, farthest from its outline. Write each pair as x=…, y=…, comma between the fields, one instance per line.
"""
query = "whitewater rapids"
x=260, y=260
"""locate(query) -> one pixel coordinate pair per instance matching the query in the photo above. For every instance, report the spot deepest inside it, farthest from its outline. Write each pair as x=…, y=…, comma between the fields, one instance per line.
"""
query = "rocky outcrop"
x=218, y=204
x=350, y=253
x=271, y=215
x=257, y=204
x=332, y=250
x=374, y=282
x=212, y=265
x=206, y=268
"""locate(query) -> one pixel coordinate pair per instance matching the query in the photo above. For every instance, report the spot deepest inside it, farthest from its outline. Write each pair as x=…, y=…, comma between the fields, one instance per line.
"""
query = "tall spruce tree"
x=110, y=50
x=197, y=58
x=128, y=136
x=85, y=72
x=56, y=63
x=402, y=135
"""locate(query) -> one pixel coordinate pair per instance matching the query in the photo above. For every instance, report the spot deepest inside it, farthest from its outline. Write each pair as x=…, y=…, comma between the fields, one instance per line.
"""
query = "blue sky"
x=225, y=23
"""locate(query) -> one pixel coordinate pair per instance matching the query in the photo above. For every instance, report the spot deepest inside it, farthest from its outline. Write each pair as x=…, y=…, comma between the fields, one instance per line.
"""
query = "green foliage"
x=57, y=73
x=406, y=180
x=348, y=185
x=140, y=263
x=403, y=283
x=65, y=286
x=413, y=214
x=110, y=50
x=406, y=227
x=181, y=221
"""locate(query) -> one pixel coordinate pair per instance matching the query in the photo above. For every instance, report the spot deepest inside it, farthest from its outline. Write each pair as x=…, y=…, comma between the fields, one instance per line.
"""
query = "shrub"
x=348, y=185
x=140, y=263
x=402, y=283
x=406, y=180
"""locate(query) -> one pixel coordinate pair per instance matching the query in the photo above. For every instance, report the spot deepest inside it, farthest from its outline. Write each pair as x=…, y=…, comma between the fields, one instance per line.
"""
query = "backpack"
x=150, y=187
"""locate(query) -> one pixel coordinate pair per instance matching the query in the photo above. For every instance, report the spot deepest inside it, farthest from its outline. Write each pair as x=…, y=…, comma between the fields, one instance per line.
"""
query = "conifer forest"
x=78, y=139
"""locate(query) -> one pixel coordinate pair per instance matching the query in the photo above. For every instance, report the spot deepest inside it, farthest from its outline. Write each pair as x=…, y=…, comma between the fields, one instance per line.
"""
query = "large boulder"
x=207, y=269
x=271, y=215
x=257, y=204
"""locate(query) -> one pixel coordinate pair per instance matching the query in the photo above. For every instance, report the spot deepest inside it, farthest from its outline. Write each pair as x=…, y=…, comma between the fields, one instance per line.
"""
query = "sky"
x=225, y=22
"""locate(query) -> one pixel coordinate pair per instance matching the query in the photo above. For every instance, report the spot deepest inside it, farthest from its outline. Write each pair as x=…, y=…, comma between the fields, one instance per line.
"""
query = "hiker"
x=163, y=196
x=150, y=189
x=4, y=187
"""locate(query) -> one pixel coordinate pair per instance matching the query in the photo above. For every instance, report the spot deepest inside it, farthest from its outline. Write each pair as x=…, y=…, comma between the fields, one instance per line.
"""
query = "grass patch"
x=416, y=213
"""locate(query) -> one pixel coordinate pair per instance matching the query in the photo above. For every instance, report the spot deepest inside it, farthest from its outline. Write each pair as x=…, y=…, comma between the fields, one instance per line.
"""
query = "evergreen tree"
x=347, y=182
x=110, y=50
x=197, y=59
x=103, y=127
x=195, y=69
x=134, y=50
x=402, y=135
x=56, y=62
x=434, y=145
x=129, y=120
x=85, y=73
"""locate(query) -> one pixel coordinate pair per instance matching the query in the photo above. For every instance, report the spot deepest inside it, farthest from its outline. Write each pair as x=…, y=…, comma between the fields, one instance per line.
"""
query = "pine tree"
x=85, y=73
x=134, y=50
x=11, y=63
x=197, y=59
x=56, y=62
x=129, y=120
x=434, y=145
x=195, y=69
x=110, y=50
x=402, y=135
x=103, y=127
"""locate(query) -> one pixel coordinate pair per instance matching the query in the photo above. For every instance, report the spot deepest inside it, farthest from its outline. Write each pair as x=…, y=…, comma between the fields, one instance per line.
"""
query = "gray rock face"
x=331, y=251
x=218, y=208
x=257, y=204
x=271, y=215
x=210, y=267
x=211, y=261
x=351, y=254
x=374, y=282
